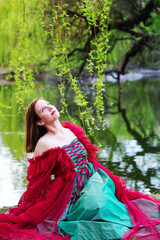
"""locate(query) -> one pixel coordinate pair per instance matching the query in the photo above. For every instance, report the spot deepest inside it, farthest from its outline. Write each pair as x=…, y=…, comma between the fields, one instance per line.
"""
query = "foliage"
x=56, y=24
x=70, y=37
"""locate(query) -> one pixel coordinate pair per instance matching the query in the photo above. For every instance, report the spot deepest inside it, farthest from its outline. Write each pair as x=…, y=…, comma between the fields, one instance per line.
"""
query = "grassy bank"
x=4, y=209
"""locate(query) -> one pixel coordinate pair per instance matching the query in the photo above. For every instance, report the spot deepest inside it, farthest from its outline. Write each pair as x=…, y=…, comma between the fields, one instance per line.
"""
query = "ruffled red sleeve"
x=44, y=195
x=53, y=160
x=41, y=172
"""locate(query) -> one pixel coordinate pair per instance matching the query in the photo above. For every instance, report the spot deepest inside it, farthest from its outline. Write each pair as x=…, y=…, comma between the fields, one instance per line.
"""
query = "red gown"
x=47, y=196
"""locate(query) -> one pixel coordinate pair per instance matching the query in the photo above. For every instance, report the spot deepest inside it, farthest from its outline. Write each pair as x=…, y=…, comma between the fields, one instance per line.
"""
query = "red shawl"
x=47, y=196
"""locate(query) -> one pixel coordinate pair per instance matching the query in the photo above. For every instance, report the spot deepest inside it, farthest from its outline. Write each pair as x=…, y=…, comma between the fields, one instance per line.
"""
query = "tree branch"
x=137, y=47
x=130, y=23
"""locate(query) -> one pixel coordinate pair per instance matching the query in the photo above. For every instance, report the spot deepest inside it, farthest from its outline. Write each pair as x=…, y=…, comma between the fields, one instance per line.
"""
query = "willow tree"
x=73, y=36
x=56, y=24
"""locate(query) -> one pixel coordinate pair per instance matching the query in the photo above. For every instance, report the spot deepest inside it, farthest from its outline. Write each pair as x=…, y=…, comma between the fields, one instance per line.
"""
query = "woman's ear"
x=40, y=123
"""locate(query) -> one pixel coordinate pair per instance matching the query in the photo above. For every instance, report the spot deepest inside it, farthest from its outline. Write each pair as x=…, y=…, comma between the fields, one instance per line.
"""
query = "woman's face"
x=47, y=112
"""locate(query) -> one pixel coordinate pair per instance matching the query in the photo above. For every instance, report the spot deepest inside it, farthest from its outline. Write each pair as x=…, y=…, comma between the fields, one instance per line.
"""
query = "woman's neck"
x=55, y=128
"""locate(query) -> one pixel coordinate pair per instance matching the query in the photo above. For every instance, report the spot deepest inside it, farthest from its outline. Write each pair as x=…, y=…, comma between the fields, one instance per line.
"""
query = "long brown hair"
x=33, y=132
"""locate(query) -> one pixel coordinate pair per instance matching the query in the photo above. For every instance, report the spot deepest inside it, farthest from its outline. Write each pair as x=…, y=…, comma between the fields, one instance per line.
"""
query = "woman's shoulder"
x=43, y=145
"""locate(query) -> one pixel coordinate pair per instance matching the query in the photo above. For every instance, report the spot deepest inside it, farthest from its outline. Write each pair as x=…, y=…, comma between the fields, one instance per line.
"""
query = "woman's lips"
x=53, y=112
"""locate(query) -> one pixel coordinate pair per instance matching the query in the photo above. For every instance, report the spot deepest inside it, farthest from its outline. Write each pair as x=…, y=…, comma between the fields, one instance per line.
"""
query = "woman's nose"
x=50, y=108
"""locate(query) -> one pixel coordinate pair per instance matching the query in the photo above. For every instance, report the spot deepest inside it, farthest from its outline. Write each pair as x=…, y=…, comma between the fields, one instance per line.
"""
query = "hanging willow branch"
x=20, y=57
x=56, y=20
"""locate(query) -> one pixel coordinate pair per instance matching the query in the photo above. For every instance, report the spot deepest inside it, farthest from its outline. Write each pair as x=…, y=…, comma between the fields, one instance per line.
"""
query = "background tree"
x=72, y=38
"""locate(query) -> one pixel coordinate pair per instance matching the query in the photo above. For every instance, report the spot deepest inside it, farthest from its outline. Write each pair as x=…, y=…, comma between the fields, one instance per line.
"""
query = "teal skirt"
x=97, y=214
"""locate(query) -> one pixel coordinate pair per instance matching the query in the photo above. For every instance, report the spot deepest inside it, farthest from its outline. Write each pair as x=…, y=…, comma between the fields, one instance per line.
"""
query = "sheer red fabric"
x=143, y=227
x=47, y=198
x=43, y=196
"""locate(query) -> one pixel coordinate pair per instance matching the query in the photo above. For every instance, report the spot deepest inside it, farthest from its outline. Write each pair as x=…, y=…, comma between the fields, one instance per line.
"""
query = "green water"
x=130, y=141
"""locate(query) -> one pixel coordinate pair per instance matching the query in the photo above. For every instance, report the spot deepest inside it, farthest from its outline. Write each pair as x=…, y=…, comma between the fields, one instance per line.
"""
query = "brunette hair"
x=33, y=132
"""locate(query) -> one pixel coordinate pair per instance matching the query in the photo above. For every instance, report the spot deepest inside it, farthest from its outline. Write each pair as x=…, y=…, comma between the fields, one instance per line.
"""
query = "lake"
x=130, y=141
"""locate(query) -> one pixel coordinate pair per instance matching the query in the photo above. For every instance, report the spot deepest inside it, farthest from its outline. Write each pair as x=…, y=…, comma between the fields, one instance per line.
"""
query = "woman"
x=70, y=195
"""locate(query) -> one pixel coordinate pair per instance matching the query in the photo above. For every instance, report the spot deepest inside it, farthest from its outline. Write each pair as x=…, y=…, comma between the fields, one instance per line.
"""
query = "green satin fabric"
x=97, y=214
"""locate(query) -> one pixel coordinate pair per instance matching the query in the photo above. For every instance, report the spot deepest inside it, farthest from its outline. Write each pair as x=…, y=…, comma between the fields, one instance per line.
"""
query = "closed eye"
x=42, y=110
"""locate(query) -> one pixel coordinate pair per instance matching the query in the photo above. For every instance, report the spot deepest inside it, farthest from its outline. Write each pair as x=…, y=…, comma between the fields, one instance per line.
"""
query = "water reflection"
x=11, y=177
x=131, y=139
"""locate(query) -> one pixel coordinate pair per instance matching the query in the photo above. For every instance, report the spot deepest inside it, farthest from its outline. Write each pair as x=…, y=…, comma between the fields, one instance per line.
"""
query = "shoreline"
x=132, y=73
x=4, y=209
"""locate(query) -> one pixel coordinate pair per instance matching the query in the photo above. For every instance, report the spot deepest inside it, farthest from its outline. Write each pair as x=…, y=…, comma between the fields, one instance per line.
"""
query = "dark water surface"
x=130, y=141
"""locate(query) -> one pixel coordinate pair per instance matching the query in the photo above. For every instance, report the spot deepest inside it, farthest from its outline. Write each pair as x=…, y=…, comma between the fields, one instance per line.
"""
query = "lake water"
x=130, y=141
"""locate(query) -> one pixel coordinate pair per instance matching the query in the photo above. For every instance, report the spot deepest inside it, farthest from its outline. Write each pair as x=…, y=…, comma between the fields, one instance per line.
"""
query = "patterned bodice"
x=77, y=153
